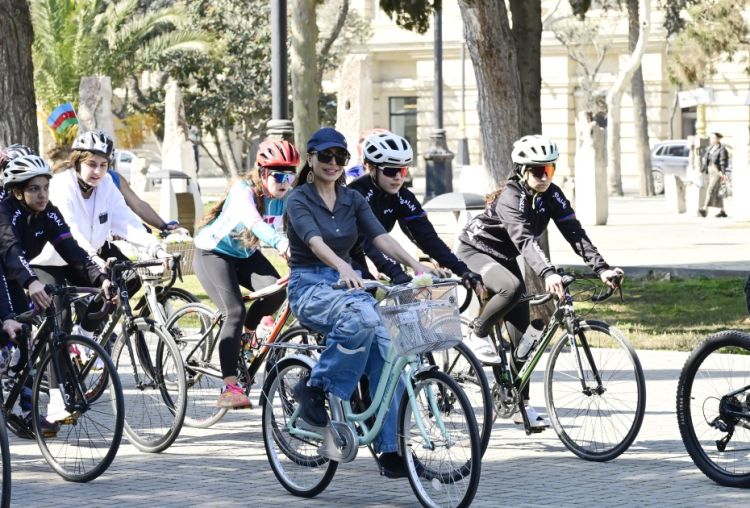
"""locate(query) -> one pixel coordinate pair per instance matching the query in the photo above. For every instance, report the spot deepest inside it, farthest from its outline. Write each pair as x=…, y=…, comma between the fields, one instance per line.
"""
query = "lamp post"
x=279, y=126
x=462, y=154
x=438, y=170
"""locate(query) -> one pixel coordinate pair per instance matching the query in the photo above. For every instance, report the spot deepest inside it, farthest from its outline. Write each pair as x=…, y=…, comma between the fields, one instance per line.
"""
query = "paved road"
x=226, y=466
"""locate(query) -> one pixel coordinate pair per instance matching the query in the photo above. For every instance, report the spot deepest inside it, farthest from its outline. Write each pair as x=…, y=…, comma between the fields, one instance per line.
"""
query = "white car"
x=671, y=158
x=123, y=163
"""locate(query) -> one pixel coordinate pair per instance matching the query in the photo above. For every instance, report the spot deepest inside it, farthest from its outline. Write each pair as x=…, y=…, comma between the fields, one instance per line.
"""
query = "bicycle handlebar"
x=374, y=284
x=568, y=279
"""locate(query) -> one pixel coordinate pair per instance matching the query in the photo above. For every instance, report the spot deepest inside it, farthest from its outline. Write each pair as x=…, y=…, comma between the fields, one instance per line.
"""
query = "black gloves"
x=470, y=279
x=401, y=278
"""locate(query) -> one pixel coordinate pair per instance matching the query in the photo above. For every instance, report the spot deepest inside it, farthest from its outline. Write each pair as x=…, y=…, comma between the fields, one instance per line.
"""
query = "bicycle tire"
x=154, y=385
x=301, y=471
x=172, y=294
x=465, y=368
x=200, y=356
x=621, y=402
x=6, y=486
x=296, y=334
x=106, y=414
x=441, y=481
x=717, y=366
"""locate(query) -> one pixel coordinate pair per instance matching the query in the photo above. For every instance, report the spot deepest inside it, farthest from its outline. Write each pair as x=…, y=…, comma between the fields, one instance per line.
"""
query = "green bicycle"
x=438, y=435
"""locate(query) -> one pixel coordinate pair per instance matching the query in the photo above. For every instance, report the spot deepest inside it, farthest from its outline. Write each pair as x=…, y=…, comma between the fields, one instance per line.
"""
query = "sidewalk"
x=641, y=236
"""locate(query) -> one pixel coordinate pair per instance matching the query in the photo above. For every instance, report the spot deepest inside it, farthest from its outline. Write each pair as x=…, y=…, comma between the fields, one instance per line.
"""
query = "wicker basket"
x=422, y=319
x=188, y=251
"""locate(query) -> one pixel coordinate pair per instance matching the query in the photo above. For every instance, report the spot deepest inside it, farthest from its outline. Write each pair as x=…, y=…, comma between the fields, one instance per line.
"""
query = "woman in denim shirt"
x=324, y=221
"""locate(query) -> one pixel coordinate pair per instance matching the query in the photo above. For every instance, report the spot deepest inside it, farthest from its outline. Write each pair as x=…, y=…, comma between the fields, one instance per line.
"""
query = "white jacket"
x=111, y=216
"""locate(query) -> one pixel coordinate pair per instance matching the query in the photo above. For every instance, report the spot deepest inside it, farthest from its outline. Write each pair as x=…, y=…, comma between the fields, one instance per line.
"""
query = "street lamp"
x=438, y=170
x=279, y=126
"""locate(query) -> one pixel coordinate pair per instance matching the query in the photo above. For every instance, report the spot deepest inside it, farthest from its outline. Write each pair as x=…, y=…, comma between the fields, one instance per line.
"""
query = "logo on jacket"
x=56, y=218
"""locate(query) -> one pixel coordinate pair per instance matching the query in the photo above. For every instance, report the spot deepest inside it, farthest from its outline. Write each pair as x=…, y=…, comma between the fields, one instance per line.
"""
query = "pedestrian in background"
x=715, y=162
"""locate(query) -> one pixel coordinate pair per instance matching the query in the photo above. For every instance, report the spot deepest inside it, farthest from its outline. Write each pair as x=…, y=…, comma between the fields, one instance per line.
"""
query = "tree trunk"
x=527, y=34
x=614, y=97
x=493, y=55
x=18, y=119
x=640, y=118
x=226, y=154
x=304, y=66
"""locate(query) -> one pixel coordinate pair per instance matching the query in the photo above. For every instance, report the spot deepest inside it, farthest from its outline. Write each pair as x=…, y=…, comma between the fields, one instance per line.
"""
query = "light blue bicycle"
x=437, y=431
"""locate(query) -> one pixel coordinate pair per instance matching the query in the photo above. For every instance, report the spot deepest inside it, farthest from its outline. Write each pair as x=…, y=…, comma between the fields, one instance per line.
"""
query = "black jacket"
x=404, y=208
x=23, y=234
x=717, y=156
x=513, y=222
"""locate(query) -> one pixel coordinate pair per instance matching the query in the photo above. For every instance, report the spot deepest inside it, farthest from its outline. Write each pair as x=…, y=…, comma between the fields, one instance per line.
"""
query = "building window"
x=403, y=119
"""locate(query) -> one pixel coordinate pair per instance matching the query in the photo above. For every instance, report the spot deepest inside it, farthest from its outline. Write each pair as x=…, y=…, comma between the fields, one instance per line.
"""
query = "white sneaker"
x=83, y=352
x=56, y=408
x=483, y=348
x=535, y=419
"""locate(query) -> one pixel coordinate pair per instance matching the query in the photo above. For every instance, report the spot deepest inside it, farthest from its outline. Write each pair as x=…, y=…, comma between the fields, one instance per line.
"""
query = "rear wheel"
x=713, y=407
x=90, y=435
x=5, y=459
x=195, y=329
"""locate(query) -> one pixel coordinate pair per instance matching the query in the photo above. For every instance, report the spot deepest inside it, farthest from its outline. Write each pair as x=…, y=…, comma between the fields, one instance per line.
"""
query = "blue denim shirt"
x=308, y=217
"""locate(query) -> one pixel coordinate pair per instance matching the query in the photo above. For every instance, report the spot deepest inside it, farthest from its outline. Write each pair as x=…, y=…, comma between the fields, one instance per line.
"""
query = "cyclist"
x=325, y=220
x=386, y=159
x=360, y=169
x=228, y=256
x=29, y=222
x=512, y=222
x=11, y=152
x=96, y=211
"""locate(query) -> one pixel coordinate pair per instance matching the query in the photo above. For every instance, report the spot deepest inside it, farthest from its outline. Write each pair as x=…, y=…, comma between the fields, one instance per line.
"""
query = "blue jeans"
x=352, y=325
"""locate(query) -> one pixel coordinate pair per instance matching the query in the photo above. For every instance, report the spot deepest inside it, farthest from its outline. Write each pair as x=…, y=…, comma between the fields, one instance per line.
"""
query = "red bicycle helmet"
x=275, y=153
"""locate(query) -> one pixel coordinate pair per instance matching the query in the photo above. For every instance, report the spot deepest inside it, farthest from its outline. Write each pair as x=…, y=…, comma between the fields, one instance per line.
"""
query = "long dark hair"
x=246, y=237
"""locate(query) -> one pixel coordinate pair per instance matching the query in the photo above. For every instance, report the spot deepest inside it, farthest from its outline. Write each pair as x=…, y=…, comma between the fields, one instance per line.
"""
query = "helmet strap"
x=85, y=188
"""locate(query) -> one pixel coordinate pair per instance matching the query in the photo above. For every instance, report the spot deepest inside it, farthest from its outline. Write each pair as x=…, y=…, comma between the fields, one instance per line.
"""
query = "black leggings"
x=66, y=274
x=221, y=276
x=504, y=281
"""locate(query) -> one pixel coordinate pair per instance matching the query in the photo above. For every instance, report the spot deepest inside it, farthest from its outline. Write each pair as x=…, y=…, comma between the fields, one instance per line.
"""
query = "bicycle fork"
x=573, y=331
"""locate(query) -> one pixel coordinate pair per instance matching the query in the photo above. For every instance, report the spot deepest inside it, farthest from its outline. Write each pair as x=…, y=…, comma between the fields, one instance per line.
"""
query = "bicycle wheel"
x=171, y=300
x=294, y=460
x=153, y=382
x=5, y=487
x=713, y=407
x=296, y=335
x=195, y=330
x=440, y=442
x=600, y=421
x=90, y=436
x=461, y=364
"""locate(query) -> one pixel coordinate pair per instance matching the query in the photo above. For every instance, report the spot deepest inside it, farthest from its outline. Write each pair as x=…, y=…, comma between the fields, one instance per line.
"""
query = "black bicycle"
x=5, y=464
x=594, y=383
x=92, y=412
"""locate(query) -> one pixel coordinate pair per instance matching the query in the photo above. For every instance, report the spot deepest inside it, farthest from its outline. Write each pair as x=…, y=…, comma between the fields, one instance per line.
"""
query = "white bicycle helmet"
x=96, y=141
x=534, y=149
x=24, y=168
x=11, y=152
x=387, y=149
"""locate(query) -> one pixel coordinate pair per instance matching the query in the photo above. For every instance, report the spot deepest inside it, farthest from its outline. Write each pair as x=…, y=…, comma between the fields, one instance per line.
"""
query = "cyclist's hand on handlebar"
x=39, y=296
x=471, y=280
x=553, y=283
x=166, y=256
x=442, y=273
x=348, y=276
x=109, y=295
x=609, y=277
x=12, y=327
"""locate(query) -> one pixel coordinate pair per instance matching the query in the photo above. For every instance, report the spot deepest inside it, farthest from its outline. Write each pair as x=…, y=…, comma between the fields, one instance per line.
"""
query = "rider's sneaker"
x=233, y=397
x=392, y=464
x=49, y=429
x=536, y=420
x=312, y=403
x=56, y=408
x=483, y=349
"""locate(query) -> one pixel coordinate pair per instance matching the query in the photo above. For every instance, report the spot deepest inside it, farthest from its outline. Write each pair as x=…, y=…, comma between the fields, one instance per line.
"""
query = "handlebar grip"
x=539, y=301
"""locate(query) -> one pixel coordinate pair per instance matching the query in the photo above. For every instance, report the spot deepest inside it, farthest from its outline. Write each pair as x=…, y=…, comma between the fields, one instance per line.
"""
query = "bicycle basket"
x=422, y=319
x=152, y=273
x=187, y=249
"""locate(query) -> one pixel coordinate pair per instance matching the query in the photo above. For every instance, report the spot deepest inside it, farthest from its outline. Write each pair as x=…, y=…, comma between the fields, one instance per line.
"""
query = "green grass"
x=675, y=314
x=671, y=315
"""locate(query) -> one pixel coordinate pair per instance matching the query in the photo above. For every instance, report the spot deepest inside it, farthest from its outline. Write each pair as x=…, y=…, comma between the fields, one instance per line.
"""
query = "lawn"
x=673, y=315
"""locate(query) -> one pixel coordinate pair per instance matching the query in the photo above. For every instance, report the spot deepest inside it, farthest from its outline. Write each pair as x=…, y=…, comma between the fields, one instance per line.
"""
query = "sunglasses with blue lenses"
x=282, y=176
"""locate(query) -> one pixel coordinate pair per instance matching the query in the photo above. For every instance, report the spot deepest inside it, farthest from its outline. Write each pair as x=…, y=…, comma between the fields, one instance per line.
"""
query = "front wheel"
x=596, y=416
x=294, y=458
x=713, y=407
x=91, y=422
x=439, y=441
x=153, y=379
x=5, y=457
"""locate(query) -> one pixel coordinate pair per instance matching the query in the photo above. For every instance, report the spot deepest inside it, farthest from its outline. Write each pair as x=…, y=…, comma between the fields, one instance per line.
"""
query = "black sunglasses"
x=393, y=172
x=326, y=156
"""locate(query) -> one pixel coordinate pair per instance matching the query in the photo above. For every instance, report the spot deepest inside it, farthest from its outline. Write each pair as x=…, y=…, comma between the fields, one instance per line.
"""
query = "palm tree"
x=76, y=38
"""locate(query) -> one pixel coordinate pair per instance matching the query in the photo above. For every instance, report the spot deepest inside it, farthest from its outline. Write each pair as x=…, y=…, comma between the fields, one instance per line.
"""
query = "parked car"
x=123, y=163
x=671, y=158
